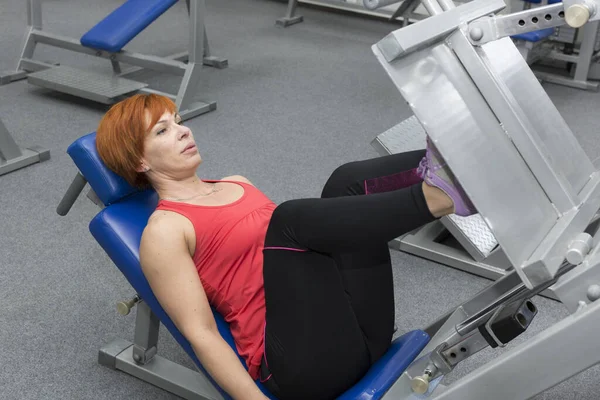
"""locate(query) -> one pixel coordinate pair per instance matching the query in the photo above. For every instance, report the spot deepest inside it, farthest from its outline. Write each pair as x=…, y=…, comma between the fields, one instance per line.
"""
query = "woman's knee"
x=343, y=181
x=282, y=222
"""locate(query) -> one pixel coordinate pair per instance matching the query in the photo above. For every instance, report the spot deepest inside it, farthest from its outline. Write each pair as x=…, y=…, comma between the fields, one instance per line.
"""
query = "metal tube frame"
x=191, y=77
x=558, y=353
x=71, y=195
x=583, y=76
x=404, y=13
x=190, y=69
x=457, y=329
x=494, y=28
x=145, y=339
x=290, y=17
x=12, y=157
x=139, y=359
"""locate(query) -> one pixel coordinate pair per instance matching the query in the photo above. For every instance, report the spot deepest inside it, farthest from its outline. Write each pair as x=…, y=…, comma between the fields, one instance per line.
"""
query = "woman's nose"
x=184, y=132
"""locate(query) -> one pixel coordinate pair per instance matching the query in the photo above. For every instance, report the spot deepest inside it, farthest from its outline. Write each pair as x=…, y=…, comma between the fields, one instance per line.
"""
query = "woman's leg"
x=376, y=175
x=342, y=224
x=367, y=272
x=315, y=345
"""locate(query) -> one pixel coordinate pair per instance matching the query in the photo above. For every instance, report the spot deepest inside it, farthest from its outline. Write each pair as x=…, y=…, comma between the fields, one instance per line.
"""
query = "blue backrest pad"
x=109, y=186
x=124, y=23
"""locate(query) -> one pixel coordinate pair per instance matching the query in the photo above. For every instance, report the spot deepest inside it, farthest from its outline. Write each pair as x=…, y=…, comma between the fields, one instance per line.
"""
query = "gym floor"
x=293, y=105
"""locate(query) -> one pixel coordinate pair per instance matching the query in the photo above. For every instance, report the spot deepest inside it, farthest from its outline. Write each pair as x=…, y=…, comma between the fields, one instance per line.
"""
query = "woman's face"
x=169, y=147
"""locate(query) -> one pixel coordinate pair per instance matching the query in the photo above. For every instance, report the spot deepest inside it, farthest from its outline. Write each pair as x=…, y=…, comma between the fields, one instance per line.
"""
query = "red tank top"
x=229, y=260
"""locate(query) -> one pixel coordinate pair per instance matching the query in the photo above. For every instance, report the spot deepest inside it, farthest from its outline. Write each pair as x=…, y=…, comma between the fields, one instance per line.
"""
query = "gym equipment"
x=12, y=157
x=404, y=13
x=464, y=243
x=529, y=44
x=118, y=229
x=540, y=151
x=552, y=49
x=375, y=4
x=583, y=60
x=532, y=183
x=106, y=40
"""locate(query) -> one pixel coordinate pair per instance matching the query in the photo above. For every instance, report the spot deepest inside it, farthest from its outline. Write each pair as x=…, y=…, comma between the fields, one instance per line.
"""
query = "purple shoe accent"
x=422, y=169
x=392, y=182
x=434, y=171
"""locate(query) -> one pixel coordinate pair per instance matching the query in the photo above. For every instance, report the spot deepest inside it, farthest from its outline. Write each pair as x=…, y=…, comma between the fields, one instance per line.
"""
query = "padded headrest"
x=109, y=186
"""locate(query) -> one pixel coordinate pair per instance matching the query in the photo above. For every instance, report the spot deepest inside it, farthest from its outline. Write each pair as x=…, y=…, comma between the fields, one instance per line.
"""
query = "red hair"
x=122, y=130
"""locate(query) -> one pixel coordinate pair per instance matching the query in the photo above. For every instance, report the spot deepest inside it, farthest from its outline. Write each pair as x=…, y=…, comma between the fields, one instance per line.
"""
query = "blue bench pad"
x=109, y=186
x=535, y=36
x=124, y=23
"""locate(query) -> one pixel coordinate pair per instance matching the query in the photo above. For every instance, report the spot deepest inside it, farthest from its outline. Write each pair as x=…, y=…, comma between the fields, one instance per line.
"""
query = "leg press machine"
x=107, y=39
x=535, y=188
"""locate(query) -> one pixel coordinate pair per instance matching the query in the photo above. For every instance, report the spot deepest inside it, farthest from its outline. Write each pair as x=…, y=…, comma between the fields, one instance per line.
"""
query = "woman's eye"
x=161, y=131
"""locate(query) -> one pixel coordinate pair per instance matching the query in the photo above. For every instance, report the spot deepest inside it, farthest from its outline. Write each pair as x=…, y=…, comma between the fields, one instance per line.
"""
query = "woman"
x=306, y=286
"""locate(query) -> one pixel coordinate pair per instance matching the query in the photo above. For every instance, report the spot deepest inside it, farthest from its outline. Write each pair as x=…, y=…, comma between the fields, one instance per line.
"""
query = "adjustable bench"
x=107, y=40
x=118, y=229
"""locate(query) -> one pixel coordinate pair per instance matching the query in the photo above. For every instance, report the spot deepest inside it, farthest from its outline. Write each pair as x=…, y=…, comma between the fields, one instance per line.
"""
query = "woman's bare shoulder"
x=237, y=178
x=165, y=219
x=165, y=227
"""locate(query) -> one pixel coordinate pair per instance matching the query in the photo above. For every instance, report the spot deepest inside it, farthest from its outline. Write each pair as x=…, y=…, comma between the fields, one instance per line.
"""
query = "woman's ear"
x=142, y=168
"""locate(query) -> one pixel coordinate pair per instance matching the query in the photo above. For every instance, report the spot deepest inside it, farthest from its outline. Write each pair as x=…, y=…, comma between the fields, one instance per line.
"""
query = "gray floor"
x=292, y=106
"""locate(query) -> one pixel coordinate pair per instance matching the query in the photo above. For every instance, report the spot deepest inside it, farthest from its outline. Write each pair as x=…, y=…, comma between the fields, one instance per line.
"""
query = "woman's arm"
x=170, y=270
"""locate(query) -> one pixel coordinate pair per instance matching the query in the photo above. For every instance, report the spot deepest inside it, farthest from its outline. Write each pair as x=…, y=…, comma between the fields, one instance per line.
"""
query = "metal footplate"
x=465, y=243
x=89, y=85
x=472, y=232
x=408, y=135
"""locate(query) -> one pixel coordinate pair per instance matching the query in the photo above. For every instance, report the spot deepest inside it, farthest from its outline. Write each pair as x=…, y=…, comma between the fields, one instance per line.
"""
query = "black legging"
x=328, y=277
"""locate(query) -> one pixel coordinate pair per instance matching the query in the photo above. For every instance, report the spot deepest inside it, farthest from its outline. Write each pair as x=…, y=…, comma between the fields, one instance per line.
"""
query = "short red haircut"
x=121, y=133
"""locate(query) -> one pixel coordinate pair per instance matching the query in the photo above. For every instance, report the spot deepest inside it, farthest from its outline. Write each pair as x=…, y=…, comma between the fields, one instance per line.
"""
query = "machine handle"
x=420, y=384
x=124, y=307
x=578, y=15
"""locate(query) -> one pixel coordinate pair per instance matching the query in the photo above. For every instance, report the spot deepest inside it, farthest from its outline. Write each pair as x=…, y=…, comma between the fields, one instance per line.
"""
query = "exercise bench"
x=118, y=229
x=107, y=39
